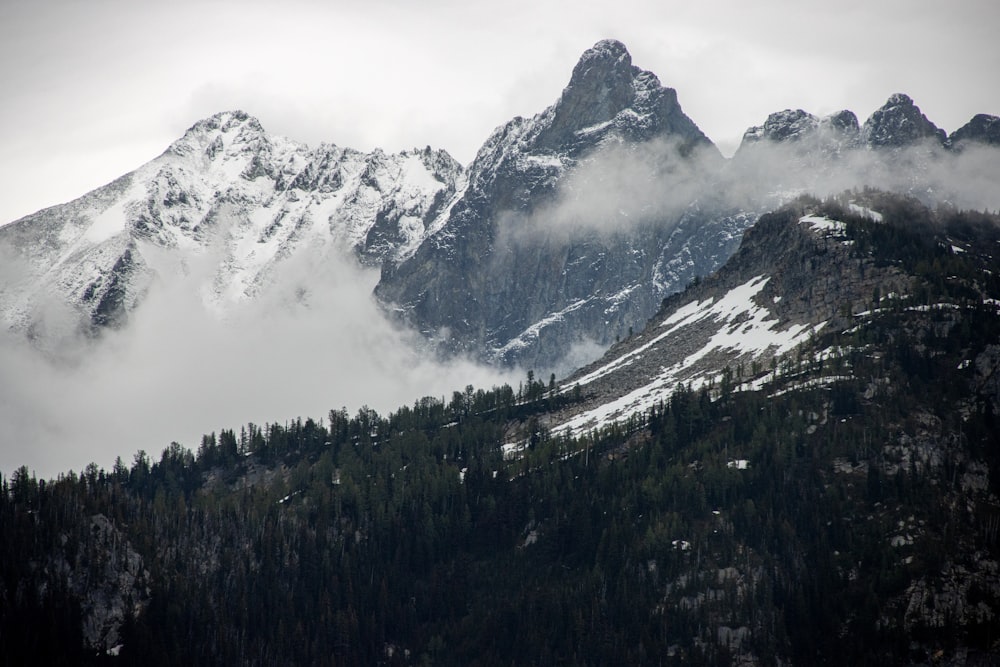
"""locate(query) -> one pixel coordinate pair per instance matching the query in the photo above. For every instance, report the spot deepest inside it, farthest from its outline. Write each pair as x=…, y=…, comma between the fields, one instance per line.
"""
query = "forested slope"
x=837, y=507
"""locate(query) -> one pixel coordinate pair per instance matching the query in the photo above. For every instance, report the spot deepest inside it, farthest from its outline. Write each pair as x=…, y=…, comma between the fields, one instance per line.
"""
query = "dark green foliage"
x=405, y=539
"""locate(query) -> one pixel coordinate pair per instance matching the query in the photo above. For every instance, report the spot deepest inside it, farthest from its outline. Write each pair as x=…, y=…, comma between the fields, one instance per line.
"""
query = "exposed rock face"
x=900, y=123
x=607, y=95
x=510, y=276
x=119, y=590
x=829, y=134
x=982, y=129
x=564, y=234
x=794, y=276
x=100, y=569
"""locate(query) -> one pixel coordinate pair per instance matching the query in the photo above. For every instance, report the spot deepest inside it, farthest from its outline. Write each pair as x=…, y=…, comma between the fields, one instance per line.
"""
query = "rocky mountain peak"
x=899, y=123
x=608, y=94
x=983, y=129
x=607, y=65
x=786, y=125
x=843, y=121
x=210, y=134
x=806, y=133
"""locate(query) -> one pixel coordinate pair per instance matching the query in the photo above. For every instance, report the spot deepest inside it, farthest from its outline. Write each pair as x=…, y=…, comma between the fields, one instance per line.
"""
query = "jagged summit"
x=608, y=94
x=808, y=136
x=497, y=297
x=845, y=121
x=793, y=125
x=900, y=123
x=257, y=200
x=226, y=121
x=222, y=130
x=983, y=129
x=608, y=58
x=782, y=125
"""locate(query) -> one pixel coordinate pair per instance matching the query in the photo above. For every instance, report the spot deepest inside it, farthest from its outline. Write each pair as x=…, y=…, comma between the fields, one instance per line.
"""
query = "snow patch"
x=874, y=216
x=824, y=225
x=743, y=327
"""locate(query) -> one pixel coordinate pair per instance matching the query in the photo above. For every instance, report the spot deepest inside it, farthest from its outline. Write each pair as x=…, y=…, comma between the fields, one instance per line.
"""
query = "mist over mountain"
x=236, y=256
x=602, y=396
x=797, y=461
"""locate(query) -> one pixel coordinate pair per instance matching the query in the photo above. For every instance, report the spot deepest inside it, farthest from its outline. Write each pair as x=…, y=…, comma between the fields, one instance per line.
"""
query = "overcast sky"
x=92, y=89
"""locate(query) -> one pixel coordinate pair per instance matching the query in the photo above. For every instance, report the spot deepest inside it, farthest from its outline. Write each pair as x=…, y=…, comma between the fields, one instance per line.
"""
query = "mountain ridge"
x=572, y=225
x=839, y=504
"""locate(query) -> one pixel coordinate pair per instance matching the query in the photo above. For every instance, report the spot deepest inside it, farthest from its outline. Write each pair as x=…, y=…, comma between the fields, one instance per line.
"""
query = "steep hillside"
x=839, y=504
x=574, y=225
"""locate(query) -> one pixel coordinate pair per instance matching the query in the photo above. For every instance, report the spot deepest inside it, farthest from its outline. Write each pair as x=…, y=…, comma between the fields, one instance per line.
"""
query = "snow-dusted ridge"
x=237, y=202
x=790, y=282
x=734, y=325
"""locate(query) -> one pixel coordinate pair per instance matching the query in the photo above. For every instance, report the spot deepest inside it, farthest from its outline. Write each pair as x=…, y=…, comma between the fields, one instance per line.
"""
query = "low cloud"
x=770, y=173
x=621, y=187
x=313, y=341
x=617, y=188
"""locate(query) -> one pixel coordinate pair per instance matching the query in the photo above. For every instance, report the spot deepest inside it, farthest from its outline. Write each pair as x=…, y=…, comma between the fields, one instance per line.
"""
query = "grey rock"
x=508, y=280
x=899, y=123
x=809, y=140
x=982, y=129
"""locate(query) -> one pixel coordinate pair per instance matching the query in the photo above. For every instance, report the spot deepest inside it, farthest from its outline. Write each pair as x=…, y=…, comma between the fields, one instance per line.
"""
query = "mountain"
x=574, y=224
x=561, y=237
x=982, y=129
x=797, y=461
x=827, y=136
x=896, y=149
x=226, y=199
x=798, y=276
x=899, y=123
x=577, y=222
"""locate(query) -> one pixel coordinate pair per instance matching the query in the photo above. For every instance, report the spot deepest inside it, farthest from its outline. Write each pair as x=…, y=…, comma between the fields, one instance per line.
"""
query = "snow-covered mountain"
x=574, y=225
x=226, y=196
x=564, y=234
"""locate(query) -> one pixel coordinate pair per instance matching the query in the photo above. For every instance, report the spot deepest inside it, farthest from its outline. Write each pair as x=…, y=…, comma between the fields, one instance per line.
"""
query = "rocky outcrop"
x=899, y=123
x=828, y=135
x=983, y=129
x=547, y=248
x=794, y=276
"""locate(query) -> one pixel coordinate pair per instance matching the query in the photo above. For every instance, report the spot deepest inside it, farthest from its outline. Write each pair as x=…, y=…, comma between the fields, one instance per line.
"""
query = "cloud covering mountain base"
x=314, y=341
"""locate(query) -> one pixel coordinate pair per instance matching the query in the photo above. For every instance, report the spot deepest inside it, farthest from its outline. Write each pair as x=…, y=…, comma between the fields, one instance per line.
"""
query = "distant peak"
x=983, y=129
x=206, y=134
x=787, y=125
x=899, y=123
x=897, y=100
x=609, y=96
x=227, y=121
x=843, y=120
x=609, y=50
x=604, y=61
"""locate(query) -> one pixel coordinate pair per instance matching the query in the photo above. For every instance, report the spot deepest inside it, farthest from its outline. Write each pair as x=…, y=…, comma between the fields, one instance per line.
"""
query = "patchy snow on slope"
x=865, y=212
x=824, y=225
x=684, y=315
x=544, y=161
x=416, y=178
x=740, y=327
x=524, y=338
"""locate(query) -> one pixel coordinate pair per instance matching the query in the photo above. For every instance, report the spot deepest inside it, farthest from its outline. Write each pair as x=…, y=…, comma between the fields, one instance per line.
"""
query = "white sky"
x=92, y=89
